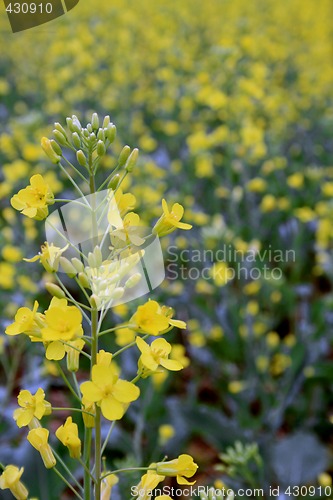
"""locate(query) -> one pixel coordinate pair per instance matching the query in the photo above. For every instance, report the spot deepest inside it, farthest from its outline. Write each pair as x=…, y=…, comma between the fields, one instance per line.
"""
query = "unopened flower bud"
x=62, y=139
x=81, y=158
x=60, y=128
x=67, y=267
x=76, y=125
x=131, y=160
x=118, y=293
x=133, y=280
x=106, y=121
x=78, y=264
x=101, y=135
x=125, y=152
x=56, y=147
x=95, y=121
x=101, y=148
x=76, y=140
x=84, y=280
x=111, y=132
x=55, y=290
x=48, y=149
x=114, y=182
x=93, y=299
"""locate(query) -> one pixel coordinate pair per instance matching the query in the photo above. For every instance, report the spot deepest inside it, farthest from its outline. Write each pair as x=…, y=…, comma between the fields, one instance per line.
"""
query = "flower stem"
x=87, y=452
x=67, y=483
x=98, y=444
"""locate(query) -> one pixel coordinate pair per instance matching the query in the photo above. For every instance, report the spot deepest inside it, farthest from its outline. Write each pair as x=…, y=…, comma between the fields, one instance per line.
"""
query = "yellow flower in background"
x=33, y=200
x=49, y=257
x=68, y=434
x=124, y=336
x=7, y=275
x=109, y=392
x=11, y=253
x=170, y=221
x=25, y=321
x=296, y=180
x=221, y=273
x=38, y=438
x=165, y=433
x=155, y=355
x=11, y=479
x=181, y=467
x=31, y=406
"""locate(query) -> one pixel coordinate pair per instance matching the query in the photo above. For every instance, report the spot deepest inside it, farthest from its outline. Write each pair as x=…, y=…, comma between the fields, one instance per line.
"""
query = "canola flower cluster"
x=68, y=328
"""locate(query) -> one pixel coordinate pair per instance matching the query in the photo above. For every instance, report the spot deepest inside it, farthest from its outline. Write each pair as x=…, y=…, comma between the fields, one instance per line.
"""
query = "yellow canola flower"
x=107, y=484
x=128, y=232
x=25, y=321
x=10, y=479
x=68, y=434
x=170, y=221
x=49, y=257
x=63, y=322
x=165, y=433
x=120, y=204
x=31, y=406
x=109, y=392
x=155, y=355
x=33, y=200
x=181, y=467
x=153, y=319
x=38, y=438
x=148, y=483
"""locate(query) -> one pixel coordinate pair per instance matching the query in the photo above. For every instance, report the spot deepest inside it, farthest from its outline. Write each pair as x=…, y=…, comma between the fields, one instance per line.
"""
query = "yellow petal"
x=112, y=409
x=55, y=351
x=91, y=392
x=125, y=392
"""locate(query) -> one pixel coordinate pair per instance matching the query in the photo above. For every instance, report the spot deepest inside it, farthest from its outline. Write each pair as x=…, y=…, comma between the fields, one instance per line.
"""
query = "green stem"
x=73, y=182
x=130, y=469
x=98, y=457
x=108, y=436
x=87, y=450
x=67, y=483
x=72, y=409
x=67, y=382
x=59, y=459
